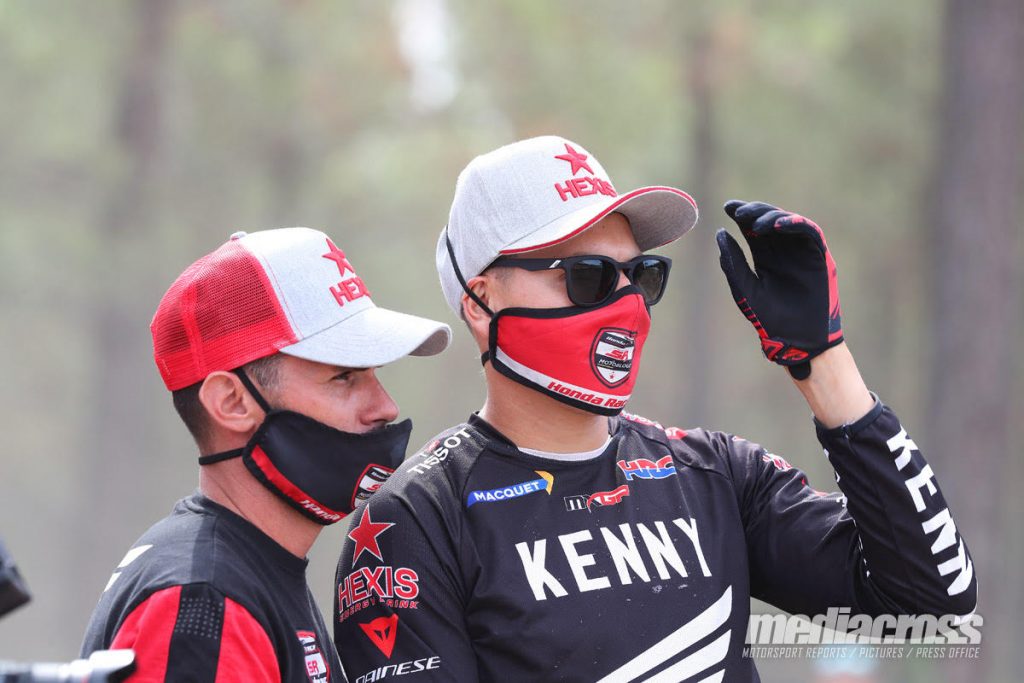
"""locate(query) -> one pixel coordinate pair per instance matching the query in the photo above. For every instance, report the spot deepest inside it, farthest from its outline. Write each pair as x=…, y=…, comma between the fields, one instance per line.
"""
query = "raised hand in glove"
x=791, y=297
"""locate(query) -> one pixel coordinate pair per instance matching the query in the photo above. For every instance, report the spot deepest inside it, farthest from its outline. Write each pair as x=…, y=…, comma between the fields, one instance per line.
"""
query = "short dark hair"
x=263, y=371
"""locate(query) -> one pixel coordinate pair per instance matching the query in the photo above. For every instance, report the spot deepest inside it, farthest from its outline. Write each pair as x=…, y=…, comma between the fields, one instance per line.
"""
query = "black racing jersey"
x=477, y=561
x=206, y=596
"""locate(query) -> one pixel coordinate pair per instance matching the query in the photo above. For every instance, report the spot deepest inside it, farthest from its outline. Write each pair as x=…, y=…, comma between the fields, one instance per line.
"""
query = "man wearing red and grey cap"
x=269, y=345
x=555, y=537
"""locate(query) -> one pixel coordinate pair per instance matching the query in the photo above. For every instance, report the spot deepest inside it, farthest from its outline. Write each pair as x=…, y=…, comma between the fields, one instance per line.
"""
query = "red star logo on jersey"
x=577, y=159
x=365, y=536
x=338, y=256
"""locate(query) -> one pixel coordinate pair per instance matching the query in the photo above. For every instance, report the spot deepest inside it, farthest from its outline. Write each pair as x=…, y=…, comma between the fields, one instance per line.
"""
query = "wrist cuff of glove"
x=797, y=361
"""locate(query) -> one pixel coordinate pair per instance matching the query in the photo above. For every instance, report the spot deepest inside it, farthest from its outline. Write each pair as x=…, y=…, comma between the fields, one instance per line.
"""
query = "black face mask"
x=320, y=471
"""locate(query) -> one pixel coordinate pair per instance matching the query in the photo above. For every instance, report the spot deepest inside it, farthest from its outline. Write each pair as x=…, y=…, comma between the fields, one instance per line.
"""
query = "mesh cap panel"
x=221, y=313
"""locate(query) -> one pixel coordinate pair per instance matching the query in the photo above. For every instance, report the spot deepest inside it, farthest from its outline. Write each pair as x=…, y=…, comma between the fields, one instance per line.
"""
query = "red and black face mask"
x=320, y=471
x=587, y=357
x=584, y=356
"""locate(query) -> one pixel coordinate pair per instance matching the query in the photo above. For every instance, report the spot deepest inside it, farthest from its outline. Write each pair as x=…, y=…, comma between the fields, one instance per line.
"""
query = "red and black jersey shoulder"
x=204, y=595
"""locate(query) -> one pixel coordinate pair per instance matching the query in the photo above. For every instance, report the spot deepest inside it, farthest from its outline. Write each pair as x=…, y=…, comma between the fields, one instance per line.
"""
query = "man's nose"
x=623, y=281
x=380, y=408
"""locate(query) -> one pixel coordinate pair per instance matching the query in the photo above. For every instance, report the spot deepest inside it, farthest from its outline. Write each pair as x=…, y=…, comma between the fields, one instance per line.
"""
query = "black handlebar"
x=102, y=667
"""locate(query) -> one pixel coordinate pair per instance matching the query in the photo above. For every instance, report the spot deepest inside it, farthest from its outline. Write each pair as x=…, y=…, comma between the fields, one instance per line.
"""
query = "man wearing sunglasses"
x=554, y=537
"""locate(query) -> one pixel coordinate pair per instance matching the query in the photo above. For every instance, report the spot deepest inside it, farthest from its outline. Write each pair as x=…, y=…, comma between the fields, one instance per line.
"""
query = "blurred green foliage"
x=302, y=112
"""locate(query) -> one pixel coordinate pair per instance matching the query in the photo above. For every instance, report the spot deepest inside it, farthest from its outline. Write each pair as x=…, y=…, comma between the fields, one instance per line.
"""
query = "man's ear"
x=229, y=405
x=476, y=317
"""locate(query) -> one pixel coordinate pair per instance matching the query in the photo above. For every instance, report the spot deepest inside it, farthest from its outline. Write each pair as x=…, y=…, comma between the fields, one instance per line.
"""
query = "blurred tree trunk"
x=114, y=481
x=974, y=231
x=287, y=158
x=695, y=398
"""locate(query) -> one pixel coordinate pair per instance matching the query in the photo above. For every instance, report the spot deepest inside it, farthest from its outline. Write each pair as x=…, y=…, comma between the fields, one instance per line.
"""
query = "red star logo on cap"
x=577, y=159
x=365, y=536
x=338, y=256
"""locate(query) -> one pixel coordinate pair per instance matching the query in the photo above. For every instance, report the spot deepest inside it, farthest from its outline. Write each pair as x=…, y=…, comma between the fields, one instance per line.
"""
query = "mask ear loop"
x=462, y=281
x=262, y=402
x=237, y=452
x=485, y=356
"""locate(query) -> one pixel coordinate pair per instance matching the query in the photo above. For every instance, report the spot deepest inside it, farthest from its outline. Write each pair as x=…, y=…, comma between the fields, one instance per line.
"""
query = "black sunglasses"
x=591, y=280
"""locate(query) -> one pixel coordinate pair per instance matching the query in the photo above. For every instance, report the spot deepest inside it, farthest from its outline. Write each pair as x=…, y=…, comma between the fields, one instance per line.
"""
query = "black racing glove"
x=792, y=299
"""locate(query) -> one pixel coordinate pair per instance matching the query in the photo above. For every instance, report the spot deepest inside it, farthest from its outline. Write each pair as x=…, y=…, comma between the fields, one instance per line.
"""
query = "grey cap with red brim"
x=538, y=192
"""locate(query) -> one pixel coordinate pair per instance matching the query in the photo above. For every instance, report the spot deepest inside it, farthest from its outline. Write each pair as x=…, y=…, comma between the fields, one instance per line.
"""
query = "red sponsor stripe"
x=246, y=653
x=833, y=294
x=147, y=630
x=675, y=433
x=607, y=210
x=284, y=484
x=771, y=347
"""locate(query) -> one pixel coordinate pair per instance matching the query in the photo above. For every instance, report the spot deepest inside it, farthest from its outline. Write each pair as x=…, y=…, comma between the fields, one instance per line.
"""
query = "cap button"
x=238, y=235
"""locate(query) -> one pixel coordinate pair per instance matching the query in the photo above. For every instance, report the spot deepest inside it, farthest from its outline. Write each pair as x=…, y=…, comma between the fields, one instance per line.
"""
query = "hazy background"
x=136, y=136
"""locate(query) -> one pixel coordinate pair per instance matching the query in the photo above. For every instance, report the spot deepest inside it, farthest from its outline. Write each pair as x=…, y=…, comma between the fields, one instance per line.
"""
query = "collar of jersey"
x=265, y=545
x=497, y=442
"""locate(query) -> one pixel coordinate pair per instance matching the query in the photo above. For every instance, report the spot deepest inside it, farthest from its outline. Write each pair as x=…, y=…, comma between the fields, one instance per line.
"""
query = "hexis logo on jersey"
x=316, y=665
x=374, y=584
x=611, y=356
x=383, y=585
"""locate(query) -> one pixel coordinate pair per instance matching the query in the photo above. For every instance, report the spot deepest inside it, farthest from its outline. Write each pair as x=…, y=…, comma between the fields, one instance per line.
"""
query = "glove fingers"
x=795, y=224
x=766, y=222
x=746, y=213
x=742, y=280
x=731, y=206
x=749, y=216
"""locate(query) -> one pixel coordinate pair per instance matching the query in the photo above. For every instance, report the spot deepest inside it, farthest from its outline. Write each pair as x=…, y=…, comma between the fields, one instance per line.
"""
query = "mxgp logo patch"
x=611, y=357
x=598, y=499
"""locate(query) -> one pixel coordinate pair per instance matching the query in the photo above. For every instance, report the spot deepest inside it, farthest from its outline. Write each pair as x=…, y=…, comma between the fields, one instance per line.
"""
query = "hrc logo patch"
x=642, y=468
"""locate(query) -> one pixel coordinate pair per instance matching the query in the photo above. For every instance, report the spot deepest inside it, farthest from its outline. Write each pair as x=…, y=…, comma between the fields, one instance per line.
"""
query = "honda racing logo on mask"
x=611, y=357
x=372, y=478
